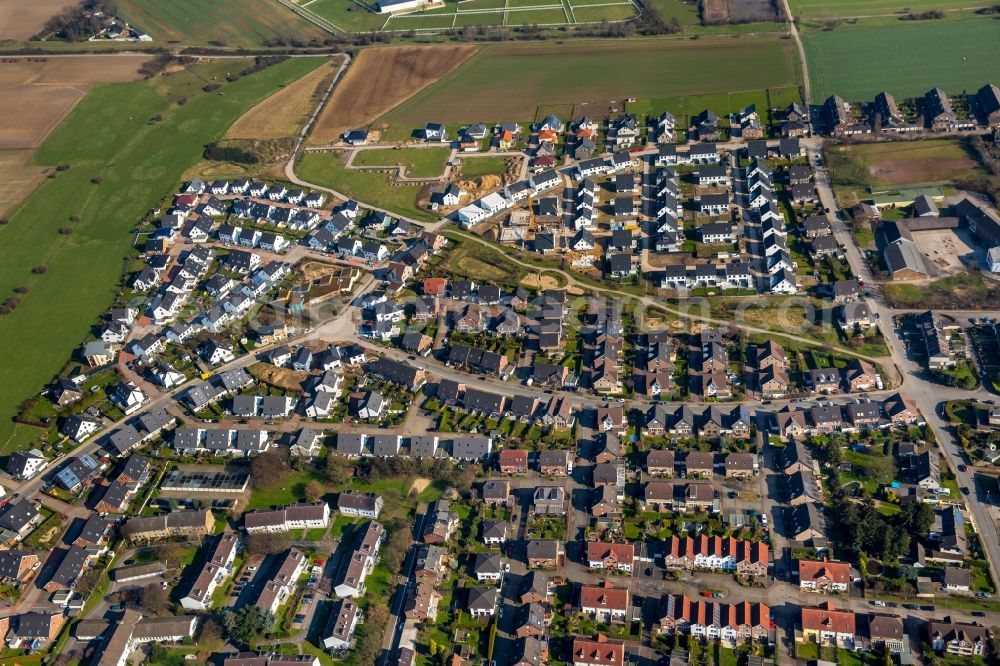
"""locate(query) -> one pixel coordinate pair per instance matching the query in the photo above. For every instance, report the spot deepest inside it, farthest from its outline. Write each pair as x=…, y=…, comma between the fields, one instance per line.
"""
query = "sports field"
x=820, y=9
x=139, y=162
x=217, y=22
x=913, y=56
x=509, y=82
x=353, y=17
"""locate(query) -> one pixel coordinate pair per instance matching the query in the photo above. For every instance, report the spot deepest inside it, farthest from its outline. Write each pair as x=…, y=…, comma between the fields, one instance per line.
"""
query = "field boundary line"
x=313, y=18
x=568, y=10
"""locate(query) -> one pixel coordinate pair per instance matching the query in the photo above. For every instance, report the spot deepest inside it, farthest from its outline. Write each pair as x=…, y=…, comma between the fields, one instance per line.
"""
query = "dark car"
x=927, y=608
x=965, y=490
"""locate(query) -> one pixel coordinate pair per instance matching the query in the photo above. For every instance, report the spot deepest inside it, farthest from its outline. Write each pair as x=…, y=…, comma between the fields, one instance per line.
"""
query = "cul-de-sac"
x=499, y=333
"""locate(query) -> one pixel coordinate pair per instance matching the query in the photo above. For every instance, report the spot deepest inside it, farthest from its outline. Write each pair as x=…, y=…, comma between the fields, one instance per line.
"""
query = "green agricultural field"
x=246, y=23
x=914, y=57
x=136, y=162
x=510, y=81
x=346, y=14
x=825, y=9
x=351, y=16
x=419, y=162
x=328, y=170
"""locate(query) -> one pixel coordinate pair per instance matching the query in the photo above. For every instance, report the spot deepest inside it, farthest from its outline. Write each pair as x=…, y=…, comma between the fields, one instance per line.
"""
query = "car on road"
x=878, y=603
x=706, y=593
x=910, y=606
x=927, y=608
x=978, y=614
x=963, y=468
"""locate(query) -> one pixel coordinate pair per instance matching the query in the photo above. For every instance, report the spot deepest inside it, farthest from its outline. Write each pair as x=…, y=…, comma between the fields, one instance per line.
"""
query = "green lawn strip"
x=328, y=170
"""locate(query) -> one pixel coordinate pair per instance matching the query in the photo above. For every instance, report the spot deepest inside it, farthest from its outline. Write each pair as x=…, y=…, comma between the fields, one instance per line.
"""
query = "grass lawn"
x=327, y=170
x=173, y=656
x=480, y=264
x=510, y=81
x=806, y=650
x=961, y=291
x=913, y=162
x=287, y=492
x=139, y=162
x=419, y=162
x=474, y=167
x=917, y=55
x=219, y=22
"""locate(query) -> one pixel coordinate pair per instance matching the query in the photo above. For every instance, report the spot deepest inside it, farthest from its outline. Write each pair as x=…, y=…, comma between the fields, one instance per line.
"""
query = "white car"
x=879, y=603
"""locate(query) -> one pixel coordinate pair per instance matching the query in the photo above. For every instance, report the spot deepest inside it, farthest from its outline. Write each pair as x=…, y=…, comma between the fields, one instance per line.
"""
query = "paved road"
x=926, y=395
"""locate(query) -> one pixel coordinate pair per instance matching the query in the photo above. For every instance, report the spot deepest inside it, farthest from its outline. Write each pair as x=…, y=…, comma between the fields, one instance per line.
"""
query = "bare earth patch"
x=283, y=114
x=380, y=79
x=291, y=380
x=536, y=281
x=18, y=178
x=419, y=485
x=35, y=95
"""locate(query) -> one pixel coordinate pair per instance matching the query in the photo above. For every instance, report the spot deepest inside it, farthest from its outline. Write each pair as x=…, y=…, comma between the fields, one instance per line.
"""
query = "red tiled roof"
x=837, y=572
x=604, y=596
x=827, y=618
x=623, y=553
x=601, y=650
x=513, y=458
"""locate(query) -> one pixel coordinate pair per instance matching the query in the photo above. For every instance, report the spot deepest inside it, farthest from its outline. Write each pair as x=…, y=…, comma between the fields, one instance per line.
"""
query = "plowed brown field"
x=379, y=80
x=35, y=95
x=23, y=19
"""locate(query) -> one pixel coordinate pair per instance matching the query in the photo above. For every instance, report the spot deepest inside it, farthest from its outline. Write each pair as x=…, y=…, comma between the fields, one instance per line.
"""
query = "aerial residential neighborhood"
x=463, y=334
